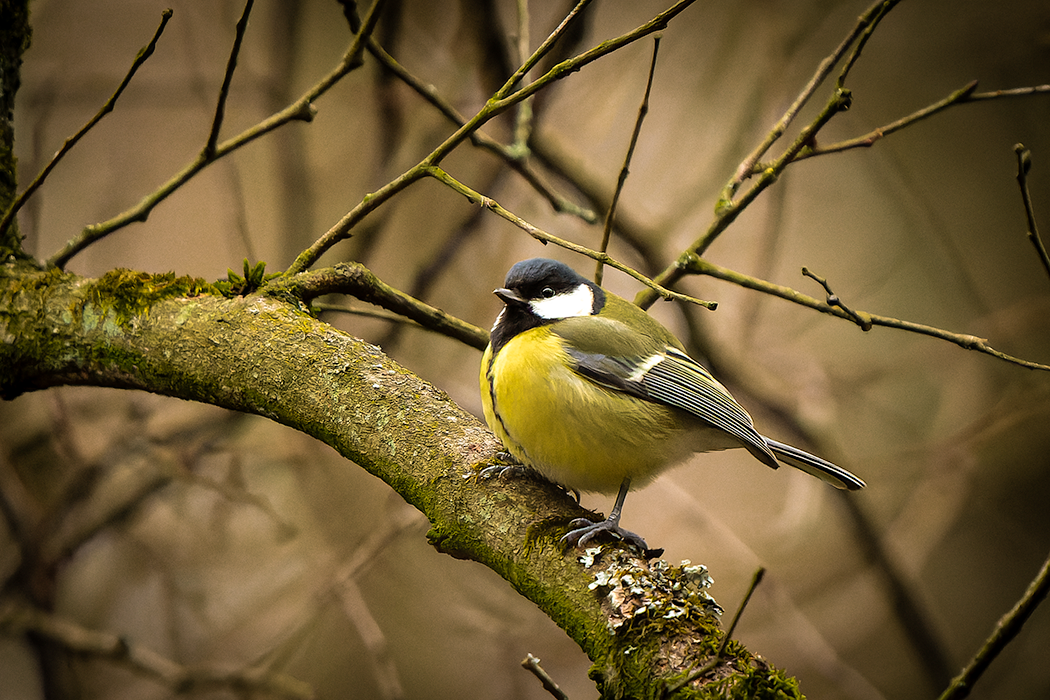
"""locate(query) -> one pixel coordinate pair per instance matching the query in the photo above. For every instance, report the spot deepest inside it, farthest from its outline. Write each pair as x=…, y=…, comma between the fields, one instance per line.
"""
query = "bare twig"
x=700, y=266
x=870, y=22
x=381, y=314
x=832, y=299
x=643, y=109
x=541, y=51
x=531, y=664
x=357, y=280
x=541, y=235
x=144, y=53
x=1024, y=163
x=302, y=109
x=728, y=209
x=714, y=661
x=227, y=78
x=641, y=234
x=964, y=95
x=960, y=96
x=1009, y=625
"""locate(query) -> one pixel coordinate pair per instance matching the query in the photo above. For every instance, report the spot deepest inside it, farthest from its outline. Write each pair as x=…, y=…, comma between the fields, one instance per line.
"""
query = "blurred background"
x=221, y=539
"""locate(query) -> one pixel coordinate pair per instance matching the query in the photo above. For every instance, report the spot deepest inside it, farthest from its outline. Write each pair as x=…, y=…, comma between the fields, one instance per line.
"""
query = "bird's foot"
x=501, y=470
x=586, y=530
x=516, y=470
x=509, y=467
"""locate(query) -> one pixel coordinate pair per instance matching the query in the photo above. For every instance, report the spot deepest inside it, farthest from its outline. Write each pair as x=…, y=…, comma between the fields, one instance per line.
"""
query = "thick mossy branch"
x=268, y=356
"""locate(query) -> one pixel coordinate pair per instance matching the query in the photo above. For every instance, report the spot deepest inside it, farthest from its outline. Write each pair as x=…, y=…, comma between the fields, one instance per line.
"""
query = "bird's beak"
x=509, y=296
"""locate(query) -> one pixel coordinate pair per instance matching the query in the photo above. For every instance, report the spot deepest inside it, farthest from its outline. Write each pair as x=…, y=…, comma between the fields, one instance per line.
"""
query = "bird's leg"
x=585, y=530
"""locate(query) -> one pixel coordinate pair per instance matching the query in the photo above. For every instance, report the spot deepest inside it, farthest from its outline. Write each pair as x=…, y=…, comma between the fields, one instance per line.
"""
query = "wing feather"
x=673, y=378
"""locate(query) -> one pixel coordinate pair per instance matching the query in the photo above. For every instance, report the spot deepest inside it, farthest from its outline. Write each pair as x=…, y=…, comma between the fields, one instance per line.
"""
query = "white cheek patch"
x=578, y=302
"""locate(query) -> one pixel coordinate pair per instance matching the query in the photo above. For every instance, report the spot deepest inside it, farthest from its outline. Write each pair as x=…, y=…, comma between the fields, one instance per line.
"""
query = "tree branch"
x=262, y=355
x=541, y=235
x=700, y=266
x=358, y=281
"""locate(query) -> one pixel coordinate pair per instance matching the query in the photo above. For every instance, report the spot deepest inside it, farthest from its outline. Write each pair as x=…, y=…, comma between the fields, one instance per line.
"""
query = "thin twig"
x=728, y=210
x=964, y=95
x=531, y=664
x=1007, y=628
x=144, y=53
x=227, y=78
x=541, y=51
x=643, y=109
x=541, y=235
x=380, y=314
x=1024, y=164
x=574, y=64
x=960, y=96
x=700, y=266
x=714, y=661
x=302, y=109
x=832, y=299
x=869, y=28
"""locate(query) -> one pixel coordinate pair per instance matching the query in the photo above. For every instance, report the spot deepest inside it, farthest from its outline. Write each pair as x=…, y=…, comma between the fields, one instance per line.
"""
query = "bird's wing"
x=673, y=378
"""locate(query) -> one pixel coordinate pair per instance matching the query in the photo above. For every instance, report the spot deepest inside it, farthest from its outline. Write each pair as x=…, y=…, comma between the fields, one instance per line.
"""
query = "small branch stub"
x=832, y=299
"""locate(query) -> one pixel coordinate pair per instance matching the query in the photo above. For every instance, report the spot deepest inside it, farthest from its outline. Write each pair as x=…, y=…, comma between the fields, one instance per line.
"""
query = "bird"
x=593, y=393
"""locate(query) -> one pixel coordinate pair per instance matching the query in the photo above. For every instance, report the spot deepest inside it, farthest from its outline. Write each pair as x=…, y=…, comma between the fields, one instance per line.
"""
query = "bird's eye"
x=547, y=293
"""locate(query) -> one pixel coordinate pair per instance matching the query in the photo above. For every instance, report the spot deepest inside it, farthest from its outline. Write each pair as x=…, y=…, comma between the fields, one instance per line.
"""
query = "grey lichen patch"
x=633, y=589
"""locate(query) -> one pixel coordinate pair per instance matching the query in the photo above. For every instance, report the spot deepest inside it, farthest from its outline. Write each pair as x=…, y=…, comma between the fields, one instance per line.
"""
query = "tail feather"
x=811, y=464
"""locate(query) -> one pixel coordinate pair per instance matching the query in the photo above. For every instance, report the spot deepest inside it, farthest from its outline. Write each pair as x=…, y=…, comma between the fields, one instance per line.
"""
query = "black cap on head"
x=530, y=277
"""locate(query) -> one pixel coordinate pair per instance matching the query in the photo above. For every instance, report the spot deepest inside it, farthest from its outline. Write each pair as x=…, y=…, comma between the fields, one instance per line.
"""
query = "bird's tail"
x=811, y=464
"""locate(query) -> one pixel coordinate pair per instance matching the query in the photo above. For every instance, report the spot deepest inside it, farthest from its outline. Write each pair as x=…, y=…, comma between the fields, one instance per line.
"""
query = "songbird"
x=590, y=391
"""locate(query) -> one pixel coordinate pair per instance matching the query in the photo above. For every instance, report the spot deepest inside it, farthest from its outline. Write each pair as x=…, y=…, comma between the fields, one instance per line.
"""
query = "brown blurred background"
x=240, y=541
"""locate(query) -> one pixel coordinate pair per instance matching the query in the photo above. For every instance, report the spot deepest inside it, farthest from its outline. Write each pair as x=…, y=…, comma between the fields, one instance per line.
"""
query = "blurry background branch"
x=18, y=619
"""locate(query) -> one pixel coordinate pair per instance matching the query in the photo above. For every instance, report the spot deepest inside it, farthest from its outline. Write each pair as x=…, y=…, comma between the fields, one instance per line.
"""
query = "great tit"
x=593, y=393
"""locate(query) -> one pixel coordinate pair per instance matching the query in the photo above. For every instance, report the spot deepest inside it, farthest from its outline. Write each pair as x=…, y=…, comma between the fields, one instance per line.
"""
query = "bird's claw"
x=586, y=530
x=501, y=470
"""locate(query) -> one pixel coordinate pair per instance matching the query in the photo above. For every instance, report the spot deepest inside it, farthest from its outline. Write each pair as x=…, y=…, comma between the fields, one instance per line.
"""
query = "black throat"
x=514, y=319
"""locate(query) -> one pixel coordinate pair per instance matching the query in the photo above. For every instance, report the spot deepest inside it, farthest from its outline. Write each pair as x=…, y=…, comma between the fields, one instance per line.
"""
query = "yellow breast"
x=568, y=428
